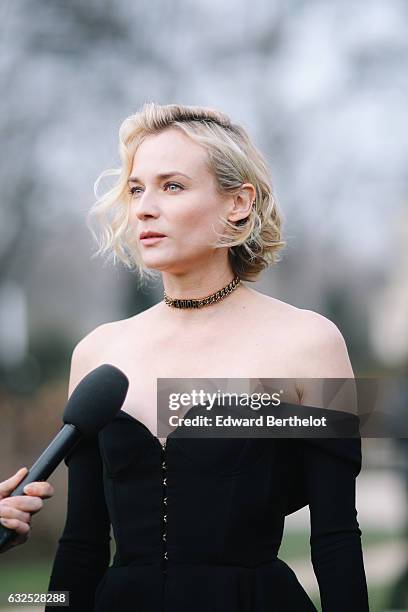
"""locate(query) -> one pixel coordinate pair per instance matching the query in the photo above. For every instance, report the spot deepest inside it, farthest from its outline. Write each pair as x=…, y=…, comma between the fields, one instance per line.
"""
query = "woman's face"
x=174, y=193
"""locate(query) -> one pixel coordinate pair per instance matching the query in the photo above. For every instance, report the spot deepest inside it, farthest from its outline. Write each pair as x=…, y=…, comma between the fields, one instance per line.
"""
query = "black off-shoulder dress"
x=198, y=523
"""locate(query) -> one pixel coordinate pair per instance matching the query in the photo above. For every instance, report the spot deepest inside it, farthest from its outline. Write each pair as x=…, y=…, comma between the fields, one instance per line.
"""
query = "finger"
x=25, y=503
x=10, y=512
x=20, y=527
x=8, y=486
x=39, y=489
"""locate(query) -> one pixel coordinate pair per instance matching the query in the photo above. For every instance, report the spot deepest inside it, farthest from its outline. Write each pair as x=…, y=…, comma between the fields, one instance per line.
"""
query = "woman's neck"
x=195, y=285
x=199, y=285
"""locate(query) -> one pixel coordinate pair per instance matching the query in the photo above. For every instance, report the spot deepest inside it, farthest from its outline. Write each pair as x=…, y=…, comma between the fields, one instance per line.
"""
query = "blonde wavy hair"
x=253, y=242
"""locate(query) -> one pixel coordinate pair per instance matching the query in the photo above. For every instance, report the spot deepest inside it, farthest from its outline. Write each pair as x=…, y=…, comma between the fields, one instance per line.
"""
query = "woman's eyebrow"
x=163, y=175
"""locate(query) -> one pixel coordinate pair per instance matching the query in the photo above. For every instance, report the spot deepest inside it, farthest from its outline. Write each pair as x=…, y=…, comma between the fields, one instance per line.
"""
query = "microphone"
x=95, y=401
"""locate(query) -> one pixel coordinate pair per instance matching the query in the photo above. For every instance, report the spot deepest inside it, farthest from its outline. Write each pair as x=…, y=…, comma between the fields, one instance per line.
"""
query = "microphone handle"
x=65, y=440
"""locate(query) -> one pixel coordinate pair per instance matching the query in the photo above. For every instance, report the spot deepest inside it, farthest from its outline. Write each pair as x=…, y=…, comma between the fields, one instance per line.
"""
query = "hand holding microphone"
x=16, y=512
x=94, y=402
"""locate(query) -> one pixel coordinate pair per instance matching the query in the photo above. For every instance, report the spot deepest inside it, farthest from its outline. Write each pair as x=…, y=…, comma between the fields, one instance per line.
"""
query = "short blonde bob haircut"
x=253, y=242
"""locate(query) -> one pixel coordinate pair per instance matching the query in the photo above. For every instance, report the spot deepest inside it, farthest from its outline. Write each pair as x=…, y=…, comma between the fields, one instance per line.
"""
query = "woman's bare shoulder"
x=111, y=329
x=308, y=322
x=103, y=344
x=303, y=320
x=315, y=339
x=322, y=348
x=316, y=350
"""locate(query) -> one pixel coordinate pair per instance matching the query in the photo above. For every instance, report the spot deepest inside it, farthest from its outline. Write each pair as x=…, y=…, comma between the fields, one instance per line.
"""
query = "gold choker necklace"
x=210, y=299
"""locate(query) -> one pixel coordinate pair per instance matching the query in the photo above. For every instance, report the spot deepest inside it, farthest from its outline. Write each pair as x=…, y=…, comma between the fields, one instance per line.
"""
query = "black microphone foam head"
x=96, y=399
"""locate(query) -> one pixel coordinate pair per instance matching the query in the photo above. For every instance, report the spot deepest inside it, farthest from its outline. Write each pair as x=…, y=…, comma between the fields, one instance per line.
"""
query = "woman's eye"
x=133, y=190
x=173, y=185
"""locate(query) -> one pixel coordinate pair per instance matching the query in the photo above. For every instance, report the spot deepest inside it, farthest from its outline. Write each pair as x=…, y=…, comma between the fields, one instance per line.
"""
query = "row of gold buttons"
x=164, y=482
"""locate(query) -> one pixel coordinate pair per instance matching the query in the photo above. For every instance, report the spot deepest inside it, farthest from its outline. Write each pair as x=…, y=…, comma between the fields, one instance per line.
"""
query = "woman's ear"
x=242, y=203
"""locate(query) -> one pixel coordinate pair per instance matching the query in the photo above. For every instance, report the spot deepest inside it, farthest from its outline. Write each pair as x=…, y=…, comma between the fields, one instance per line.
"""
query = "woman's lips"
x=151, y=239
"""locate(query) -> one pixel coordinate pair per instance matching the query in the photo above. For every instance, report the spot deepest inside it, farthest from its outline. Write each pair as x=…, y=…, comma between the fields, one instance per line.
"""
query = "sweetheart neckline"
x=167, y=438
x=136, y=420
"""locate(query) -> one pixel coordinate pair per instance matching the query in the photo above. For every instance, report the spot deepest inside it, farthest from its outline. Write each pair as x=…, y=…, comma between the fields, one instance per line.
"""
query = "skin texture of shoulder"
x=322, y=347
x=83, y=358
x=318, y=351
x=323, y=354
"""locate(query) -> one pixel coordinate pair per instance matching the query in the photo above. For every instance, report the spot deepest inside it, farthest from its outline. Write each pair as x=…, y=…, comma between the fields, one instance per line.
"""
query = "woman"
x=198, y=523
x=16, y=512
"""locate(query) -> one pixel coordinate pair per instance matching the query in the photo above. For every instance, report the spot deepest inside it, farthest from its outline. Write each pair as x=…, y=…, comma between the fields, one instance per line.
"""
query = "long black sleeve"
x=83, y=552
x=331, y=466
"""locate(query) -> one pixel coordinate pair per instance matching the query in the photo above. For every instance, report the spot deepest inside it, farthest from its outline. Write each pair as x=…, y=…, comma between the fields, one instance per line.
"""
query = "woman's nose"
x=146, y=206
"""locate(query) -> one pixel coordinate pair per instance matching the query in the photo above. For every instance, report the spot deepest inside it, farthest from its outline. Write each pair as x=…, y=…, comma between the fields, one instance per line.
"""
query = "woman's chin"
x=158, y=263
x=161, y=265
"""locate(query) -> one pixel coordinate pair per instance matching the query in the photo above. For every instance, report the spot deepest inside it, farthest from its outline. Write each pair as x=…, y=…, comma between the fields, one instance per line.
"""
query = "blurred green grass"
x=25, y=576
x=295, y=544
